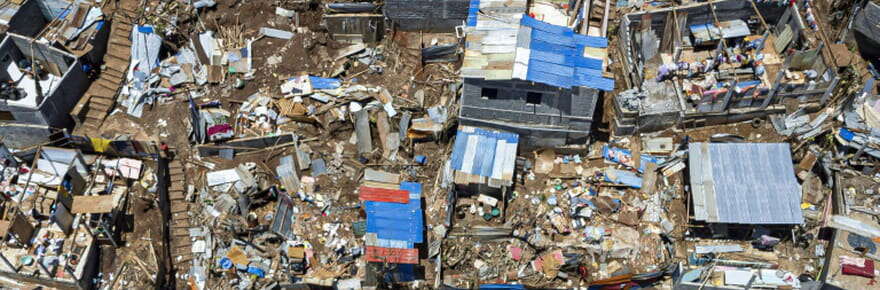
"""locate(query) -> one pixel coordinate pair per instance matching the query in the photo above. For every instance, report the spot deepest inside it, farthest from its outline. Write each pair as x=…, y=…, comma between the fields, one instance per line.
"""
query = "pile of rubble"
x=407, y=144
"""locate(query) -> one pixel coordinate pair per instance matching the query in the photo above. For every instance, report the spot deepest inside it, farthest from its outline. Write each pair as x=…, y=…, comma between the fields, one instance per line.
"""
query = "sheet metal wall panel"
x=564, y=39
x=391, y=255
x=370, y=239
x=414, y=188
x=383, y=194
x=548, y=56
x=698, y=191
x=487, y=151
x=458, y=150
x=397, y=221
x=602, y=83
x=475, y=150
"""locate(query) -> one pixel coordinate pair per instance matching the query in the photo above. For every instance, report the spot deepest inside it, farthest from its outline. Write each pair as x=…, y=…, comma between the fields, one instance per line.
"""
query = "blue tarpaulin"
x=624, y=157
x=623, y=177
x=847, y=134
x=320, y=83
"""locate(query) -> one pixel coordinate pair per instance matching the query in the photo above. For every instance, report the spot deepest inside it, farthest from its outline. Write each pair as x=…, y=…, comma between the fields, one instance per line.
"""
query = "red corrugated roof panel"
x=384, y=195
x=392, y=255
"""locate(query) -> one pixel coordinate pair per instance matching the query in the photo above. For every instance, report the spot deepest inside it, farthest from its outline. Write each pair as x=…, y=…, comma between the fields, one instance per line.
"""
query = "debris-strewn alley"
x=442, y=144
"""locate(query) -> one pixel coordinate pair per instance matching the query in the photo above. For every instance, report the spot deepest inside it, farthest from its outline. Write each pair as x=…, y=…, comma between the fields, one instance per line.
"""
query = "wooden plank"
x=649, y=181
x=80, y=16
x=176, y=196
x=179, y=208
x=4, y=228
x=180, y=232
x=101, y=100
x=96, y=114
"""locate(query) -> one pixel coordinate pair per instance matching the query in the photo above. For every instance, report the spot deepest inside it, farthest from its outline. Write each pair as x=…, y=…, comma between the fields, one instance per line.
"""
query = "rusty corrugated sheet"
x=383, y=194
x=392, y=255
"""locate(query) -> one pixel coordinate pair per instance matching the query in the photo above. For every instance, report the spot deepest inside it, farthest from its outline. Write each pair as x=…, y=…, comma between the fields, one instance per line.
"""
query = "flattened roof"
x=744, y=183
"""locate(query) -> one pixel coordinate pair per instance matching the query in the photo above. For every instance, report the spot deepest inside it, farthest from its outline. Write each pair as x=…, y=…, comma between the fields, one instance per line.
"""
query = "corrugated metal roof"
x=383, y=194
x=545, y=53
x=283, y=222
x=485, y=152
x=744, y=183
x=391, y=255
x=728, y=29
x=371, y=239
x=397, y=221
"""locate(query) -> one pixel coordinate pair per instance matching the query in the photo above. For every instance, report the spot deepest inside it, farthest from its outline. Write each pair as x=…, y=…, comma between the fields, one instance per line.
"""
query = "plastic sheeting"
x=145, y=47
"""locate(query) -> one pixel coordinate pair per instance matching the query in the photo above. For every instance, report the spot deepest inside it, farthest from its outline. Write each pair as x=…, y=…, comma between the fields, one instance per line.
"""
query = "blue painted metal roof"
x=475, y=149
x=473, y=9
x=397, y=221
x=556, y=57
x=556, y=53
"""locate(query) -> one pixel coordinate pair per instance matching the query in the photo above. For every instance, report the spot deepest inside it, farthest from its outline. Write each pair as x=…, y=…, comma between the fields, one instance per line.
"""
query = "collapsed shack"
x=851, y=248
x=394, y=228
x=65, y=209
x=682, y=70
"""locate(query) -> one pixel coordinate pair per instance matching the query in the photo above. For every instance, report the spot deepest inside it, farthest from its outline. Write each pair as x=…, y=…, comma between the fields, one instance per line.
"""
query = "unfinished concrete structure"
x=544, y=115
x=427, y=15
x=24, y=19
x=681, y=69
x=59, y=213
x=42, y=83
x=530, y=77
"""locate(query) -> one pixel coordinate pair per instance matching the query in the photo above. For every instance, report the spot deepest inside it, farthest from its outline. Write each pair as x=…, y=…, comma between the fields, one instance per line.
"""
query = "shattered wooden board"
x=4, y=228
x=215, y=74
x=237, y=256
x=93, y=204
